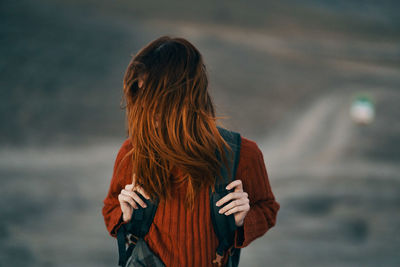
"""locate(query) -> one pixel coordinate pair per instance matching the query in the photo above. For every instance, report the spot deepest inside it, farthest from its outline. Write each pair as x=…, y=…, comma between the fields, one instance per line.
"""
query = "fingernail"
x=220, y=211
x=145, y=206
x=217, y=204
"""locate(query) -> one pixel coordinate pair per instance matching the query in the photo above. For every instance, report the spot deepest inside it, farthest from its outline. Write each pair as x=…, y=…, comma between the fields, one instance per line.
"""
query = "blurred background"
x=315, y=83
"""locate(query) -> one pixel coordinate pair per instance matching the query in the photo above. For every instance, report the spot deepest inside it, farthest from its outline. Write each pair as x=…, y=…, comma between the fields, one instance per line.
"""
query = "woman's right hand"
x=129, y=200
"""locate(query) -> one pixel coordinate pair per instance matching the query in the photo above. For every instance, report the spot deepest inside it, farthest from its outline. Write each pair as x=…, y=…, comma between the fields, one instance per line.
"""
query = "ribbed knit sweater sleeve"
x=111, y=209
x=263, y=206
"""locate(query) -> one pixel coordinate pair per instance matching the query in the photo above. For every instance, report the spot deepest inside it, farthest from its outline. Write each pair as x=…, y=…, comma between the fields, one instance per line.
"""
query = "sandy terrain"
x=287, y=88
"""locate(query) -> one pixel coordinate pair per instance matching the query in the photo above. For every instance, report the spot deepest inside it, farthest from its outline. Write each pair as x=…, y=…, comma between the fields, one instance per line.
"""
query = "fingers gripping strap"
x=142, y=218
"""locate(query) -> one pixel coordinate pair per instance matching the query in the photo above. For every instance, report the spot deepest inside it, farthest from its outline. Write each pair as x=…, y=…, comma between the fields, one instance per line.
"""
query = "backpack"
x=133, y=250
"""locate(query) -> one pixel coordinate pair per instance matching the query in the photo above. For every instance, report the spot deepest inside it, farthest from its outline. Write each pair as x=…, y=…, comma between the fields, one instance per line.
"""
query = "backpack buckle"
x=132, y=239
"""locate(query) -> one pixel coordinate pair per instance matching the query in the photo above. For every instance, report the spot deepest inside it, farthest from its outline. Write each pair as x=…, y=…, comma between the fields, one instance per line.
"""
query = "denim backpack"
x=133, y=250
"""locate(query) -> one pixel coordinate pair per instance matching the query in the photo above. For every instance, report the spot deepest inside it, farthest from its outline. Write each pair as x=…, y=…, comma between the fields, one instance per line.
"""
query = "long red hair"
x=171, y=119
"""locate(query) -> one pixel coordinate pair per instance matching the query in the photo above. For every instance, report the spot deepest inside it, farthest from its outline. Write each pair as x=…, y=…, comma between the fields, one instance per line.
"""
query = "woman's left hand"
x=239, y=205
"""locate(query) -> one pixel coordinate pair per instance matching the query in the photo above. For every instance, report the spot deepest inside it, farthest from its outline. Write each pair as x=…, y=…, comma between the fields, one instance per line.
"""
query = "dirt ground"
x=289, y=89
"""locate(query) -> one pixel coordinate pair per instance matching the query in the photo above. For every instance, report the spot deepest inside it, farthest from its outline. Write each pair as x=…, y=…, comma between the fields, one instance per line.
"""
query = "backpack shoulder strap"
x=138, y=227
x=224, y=226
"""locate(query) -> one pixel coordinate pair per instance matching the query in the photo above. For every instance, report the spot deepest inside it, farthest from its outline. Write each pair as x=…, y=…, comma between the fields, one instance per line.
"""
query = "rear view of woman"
x=170, y=155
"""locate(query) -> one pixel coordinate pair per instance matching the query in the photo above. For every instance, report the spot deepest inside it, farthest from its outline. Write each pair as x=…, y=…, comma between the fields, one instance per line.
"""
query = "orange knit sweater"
x=181, y=238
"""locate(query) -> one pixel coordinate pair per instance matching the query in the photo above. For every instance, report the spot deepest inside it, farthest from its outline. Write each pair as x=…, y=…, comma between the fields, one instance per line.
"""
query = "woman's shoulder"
x=126, y=144
x=249, y=148
x=124, y=149
x=250, y=157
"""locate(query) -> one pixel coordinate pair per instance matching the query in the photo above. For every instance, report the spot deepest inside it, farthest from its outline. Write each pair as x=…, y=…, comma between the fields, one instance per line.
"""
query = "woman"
x=170, y=154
